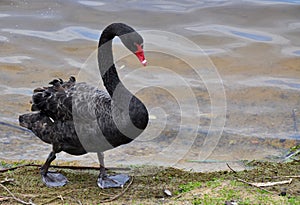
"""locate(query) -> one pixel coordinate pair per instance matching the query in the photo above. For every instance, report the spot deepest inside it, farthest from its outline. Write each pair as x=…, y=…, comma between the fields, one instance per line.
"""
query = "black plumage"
x=78, y=118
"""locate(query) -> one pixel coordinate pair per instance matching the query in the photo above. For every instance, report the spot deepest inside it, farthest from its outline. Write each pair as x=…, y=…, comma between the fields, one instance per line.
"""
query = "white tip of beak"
x=144, y=62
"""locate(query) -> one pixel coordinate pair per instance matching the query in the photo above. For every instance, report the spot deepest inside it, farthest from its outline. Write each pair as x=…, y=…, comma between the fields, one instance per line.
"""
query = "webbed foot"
x=54, y=179
x=113, y=181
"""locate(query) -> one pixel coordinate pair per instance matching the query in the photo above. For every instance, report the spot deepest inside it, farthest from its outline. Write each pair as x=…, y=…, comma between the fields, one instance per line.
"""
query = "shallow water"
x=214, y=67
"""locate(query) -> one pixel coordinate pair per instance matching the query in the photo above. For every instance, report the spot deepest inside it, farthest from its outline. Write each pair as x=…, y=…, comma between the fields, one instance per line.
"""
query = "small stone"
x=283, y=192
x=232, y=202
x=168, y=192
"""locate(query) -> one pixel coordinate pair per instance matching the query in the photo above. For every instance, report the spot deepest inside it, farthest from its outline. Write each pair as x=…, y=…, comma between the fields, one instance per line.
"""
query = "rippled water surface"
x=210, y=63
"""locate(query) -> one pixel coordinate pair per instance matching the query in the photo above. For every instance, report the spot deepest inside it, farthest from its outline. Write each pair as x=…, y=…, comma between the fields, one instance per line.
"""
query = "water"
x=250, y=47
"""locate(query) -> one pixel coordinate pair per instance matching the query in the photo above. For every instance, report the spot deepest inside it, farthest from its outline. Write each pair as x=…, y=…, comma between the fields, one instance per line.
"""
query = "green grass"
x=188, y=187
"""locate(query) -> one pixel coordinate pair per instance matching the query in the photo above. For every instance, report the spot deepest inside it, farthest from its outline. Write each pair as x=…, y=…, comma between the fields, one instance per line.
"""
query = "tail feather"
x=54, y=101
x=40, y=124
x=30, y=119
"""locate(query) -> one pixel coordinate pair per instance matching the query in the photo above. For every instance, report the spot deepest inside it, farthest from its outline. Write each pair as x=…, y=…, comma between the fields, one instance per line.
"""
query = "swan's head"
x=134, y=42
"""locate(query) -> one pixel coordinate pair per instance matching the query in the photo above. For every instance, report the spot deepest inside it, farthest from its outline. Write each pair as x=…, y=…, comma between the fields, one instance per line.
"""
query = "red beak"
x=140, y=55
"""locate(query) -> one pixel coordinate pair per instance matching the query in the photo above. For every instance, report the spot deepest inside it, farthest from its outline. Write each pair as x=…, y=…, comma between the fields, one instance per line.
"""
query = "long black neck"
x=124, y=99
x=105, y=57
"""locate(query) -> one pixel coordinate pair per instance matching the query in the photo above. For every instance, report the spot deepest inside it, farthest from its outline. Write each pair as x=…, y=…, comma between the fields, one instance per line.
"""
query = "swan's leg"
x=52, y=179
x=45, y=167
x=102, y=167
x=105, y=181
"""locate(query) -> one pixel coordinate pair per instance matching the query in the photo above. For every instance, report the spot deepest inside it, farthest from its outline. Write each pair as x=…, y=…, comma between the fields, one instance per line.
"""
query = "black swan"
x=66, y=113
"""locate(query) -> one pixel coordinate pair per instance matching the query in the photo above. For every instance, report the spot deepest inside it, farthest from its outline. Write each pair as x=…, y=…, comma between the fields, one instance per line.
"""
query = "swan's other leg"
x=105, y=181
x=102, y=167
x=52, y=179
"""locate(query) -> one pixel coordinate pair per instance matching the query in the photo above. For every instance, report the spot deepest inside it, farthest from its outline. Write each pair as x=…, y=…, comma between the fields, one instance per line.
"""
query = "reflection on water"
x=65, y=34
x=255, y=46
x=252, y=36
x=6, y=90
x=294, y=51
x=242, y=33
x=297, y=52
x=278, y=1
x=91, y=3
x=13, y=59
x=156, y=5
x=281, y=82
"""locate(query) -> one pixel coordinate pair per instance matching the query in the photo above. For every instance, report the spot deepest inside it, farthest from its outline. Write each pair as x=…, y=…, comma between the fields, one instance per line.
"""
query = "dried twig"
x=58, y=197
x=73, y=199
x=87, y=167
x=51, y=200
x=61, y=198
x=13, y=168
x=178, y=196
x=64, y=167
x=287, y=176
x=104, y=194
x=15, y=198
x=4, y=198
x=230, y=168
x=241, y=180
x=120, y=194
x=6, y=180
x=265, y=184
